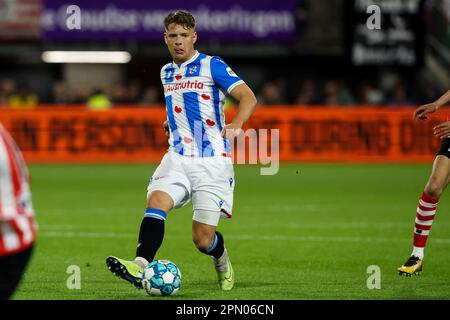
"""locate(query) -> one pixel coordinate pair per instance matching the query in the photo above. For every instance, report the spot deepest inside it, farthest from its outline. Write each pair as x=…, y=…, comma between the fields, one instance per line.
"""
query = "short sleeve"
x=167, y=73
x=223, y=76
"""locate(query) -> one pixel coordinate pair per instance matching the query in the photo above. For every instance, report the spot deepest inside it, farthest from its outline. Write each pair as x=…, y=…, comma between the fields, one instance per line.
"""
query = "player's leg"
x=212, y=197
x=11, y=271
x=439, y=178
x=211, y=242
x=151, y=232
x=151, y=235
x=435, y=186
x=168, y=189
x=425, y=213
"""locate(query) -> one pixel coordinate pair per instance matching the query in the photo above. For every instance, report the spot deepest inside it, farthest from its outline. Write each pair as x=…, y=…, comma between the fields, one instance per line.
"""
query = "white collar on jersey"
x=195, y=56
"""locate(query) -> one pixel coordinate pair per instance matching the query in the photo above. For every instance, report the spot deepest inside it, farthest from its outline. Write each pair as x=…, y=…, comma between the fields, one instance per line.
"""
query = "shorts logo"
x=231, y=182
x=221, y=203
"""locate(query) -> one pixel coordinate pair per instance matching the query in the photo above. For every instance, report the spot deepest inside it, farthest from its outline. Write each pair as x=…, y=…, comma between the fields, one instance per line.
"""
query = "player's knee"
x=160, y=200
x=434, y=187
x=202, y=243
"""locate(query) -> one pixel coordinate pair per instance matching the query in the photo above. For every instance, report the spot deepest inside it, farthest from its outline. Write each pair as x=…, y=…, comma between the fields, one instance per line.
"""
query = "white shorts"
x=208, y=181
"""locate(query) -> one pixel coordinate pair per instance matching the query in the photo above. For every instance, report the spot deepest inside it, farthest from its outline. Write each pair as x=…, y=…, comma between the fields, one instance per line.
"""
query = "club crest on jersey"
x=192, y=70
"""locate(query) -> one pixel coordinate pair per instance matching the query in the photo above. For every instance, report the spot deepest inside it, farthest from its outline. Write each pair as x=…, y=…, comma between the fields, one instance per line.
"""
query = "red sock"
x=424, y=219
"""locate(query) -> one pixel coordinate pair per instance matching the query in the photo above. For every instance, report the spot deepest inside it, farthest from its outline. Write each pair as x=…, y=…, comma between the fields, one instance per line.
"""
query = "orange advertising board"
x=357, y=134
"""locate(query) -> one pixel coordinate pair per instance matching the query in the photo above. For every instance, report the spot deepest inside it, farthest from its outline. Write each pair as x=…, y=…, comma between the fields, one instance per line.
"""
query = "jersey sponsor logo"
x=184, y=85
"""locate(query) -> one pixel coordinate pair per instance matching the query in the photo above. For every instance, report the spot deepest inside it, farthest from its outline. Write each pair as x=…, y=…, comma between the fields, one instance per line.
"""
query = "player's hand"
x=166, y=127
x=442, y=130
x=422, y=111
x=232, y=130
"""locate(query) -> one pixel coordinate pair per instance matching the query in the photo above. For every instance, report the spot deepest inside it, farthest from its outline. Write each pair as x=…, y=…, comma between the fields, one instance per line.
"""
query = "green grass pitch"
x=309, y=232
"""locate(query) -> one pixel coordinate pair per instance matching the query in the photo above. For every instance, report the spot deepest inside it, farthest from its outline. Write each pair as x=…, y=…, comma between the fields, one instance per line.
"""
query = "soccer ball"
x=161, y=278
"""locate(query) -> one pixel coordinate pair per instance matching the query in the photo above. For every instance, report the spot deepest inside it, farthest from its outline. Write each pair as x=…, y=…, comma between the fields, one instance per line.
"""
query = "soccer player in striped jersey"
x=17, y=226
x=438, y=181
x=198, y=165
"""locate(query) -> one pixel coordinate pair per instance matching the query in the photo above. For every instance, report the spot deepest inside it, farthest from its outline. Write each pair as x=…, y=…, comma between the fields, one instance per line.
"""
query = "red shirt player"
x=437, y=183
x=17, y=225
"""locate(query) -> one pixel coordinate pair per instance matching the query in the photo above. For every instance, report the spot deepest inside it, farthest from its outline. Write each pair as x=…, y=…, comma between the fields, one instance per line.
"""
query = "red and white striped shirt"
x=17, y=225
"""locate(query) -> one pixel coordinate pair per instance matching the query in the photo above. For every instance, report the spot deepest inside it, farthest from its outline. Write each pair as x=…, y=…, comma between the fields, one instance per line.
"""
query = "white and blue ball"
x=161, y=278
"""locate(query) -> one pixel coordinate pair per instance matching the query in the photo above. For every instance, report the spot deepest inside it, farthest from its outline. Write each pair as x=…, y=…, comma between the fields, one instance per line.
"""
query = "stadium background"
x=342, y=95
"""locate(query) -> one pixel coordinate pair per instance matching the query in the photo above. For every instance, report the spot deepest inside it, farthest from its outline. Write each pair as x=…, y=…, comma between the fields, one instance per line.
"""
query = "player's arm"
x=229, y=81
x=442, y=131
x=422, y=111
x=246, y=106
x=162, y=76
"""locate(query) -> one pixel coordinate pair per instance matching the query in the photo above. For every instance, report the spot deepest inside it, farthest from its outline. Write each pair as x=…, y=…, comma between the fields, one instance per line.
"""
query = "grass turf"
x=309, y=232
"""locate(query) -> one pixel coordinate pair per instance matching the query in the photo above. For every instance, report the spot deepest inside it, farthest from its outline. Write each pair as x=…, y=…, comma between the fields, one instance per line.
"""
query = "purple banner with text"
x=225, y=20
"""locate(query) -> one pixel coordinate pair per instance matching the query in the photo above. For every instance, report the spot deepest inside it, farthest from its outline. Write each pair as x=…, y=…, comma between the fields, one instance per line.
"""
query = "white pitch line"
x=71, y=234
x=90, y=210
x=285, y=224
x=349, y=225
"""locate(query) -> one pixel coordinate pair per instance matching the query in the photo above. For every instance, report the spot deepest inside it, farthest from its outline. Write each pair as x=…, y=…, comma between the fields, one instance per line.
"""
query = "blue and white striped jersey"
x=195, y=93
